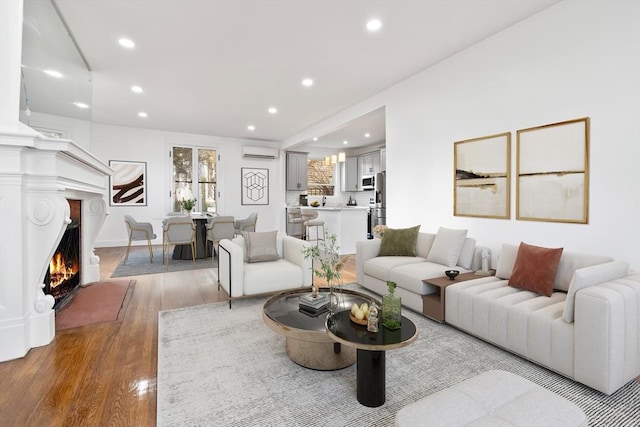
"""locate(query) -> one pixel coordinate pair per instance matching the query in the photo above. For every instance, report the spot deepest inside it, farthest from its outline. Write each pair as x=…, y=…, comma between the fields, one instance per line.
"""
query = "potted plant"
x=378, y=231
x=327, y=264
x=188, y=204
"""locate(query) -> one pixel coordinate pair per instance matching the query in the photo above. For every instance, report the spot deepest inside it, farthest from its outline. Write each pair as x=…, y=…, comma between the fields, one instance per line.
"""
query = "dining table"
x=184, y=251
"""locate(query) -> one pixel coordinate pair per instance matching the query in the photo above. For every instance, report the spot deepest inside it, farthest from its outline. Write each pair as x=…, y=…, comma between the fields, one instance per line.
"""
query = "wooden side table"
x=433, y=304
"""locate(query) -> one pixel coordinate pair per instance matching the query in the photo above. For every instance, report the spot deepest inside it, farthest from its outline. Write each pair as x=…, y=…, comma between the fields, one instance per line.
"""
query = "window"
x=204, y=187
x=320, y=178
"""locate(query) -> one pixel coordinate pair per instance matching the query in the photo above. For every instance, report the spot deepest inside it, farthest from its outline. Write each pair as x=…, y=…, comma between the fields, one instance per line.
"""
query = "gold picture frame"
x=482, y=180
x=552, y=175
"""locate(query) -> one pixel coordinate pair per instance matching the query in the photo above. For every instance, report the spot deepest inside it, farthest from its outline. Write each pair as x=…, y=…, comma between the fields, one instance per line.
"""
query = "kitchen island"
x=348, y=223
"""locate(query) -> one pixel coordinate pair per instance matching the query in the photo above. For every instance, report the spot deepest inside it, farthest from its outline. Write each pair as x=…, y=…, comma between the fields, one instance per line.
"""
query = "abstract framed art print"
x=255, y=186
x=481, y=176
x=553, y=172
x=128, y=184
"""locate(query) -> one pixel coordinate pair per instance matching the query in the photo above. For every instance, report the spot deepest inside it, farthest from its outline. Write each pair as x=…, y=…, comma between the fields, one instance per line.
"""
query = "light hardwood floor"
x=105, y=374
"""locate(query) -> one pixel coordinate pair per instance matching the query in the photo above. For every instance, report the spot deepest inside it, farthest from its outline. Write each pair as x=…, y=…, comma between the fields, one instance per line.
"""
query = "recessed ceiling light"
x=81, y=105
x=307, y=82
x=251, y=128
x=143, y=114
x=54, y=73
x=136, y=89
x=345, y=142
x=126, y=43
x=272, y=110
x=374, y=25
x=367, y=135
x=315, y=138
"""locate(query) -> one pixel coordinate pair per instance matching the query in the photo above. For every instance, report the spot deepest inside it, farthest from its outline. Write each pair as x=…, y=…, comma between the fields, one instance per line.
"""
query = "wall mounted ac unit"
x=259, y=152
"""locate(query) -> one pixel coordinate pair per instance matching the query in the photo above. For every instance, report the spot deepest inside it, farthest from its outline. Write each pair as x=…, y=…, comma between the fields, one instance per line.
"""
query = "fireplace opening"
x=63, y=275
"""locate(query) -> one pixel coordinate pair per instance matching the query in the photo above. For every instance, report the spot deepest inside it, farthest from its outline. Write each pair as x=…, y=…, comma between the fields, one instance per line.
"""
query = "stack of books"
x=313, y=305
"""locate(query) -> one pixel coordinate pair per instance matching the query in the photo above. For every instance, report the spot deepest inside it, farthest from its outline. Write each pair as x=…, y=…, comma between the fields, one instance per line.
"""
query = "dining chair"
x=247, y=224
x=218, y=228
x=179, y=230
x=138, y=231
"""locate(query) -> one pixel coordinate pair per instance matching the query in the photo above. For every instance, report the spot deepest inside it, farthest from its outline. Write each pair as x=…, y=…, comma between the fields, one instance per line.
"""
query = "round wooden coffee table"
x=307, y=342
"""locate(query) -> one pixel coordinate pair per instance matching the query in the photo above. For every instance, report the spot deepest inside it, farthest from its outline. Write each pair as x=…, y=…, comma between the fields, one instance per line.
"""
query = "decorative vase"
x=391, y=309
x=334, y=298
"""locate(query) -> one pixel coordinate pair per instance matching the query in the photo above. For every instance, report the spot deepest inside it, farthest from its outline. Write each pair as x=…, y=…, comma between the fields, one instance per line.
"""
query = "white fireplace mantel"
x=37, y=176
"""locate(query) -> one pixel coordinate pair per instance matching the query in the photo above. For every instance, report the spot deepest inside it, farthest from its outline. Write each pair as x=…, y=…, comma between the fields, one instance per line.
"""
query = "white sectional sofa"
x=456, y=252
x=587, y=330
x=241, y=278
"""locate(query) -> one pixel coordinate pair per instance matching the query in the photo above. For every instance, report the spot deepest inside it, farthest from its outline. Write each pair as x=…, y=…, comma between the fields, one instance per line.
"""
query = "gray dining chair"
x=247, y=224
x=218, y=228
x=179, y=230
x=138, y=231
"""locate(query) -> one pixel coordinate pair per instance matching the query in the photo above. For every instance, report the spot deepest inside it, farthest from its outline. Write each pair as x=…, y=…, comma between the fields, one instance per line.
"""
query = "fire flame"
x=61, y=270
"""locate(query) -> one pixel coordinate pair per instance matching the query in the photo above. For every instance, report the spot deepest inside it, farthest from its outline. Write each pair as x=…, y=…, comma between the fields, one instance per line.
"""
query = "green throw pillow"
x=399, y=242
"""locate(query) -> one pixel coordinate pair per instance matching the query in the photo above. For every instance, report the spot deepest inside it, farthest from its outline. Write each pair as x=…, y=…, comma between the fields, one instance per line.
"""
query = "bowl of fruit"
x=359, y=313
x=315, y=203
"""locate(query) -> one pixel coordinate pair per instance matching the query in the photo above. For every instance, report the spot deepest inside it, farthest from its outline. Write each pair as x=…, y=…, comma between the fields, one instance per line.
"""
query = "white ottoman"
x=493, y=398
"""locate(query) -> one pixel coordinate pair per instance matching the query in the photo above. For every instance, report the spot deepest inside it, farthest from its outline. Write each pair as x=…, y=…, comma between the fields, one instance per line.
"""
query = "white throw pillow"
x=261, y=246
x=506, y=261
x=572, y=261
x=466, y=254
x=590, y=276
x=447, y=246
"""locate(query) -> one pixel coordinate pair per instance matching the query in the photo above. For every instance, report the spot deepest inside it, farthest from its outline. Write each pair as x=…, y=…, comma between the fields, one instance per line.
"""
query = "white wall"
x=572, y=60
x=152, y=146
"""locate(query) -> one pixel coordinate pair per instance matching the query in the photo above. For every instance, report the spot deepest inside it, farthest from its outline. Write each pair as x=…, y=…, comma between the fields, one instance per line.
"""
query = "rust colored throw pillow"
x=535, y=269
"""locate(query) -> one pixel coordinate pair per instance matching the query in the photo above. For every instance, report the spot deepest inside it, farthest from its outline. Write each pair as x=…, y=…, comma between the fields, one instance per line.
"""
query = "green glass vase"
x=391, y=309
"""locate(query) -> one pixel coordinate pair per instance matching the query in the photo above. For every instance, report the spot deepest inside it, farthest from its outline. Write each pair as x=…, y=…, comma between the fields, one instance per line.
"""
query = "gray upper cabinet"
x=296, y=171
x=383, y=159
x=350, y=181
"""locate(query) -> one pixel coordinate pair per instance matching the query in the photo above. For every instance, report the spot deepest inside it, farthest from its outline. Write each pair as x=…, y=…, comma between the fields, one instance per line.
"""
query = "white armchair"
x=240, y=278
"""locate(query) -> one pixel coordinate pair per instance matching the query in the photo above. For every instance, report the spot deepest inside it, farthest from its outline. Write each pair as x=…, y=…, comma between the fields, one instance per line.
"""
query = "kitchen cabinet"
x=383, y=159
x=368, y=164
x=350, y=179
x=296, y=171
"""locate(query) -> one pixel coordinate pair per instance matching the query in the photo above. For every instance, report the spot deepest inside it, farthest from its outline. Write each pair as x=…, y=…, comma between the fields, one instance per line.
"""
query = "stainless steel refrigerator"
x=378, y=212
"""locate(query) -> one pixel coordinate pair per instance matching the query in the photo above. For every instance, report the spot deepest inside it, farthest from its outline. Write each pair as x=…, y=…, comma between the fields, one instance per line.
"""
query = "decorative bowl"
x=362, y=322
x=452, y=274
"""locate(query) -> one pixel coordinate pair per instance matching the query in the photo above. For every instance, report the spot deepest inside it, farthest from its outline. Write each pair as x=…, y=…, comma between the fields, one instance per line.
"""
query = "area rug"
x=138, y=263
x=96, y=303
x=226, y=367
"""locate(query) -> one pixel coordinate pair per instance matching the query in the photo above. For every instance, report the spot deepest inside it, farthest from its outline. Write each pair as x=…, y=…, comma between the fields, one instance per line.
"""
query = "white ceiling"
x=214, y=67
